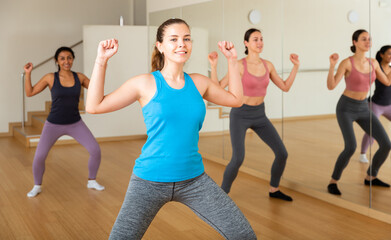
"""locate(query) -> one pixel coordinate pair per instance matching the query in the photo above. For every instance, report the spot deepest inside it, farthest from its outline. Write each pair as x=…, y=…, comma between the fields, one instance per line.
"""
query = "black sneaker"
x=376, y=182
x=278, y=194
x=333, y=189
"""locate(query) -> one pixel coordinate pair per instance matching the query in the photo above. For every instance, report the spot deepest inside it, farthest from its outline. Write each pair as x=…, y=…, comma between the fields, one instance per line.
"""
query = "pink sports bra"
x=358, y=81
x=254, y=86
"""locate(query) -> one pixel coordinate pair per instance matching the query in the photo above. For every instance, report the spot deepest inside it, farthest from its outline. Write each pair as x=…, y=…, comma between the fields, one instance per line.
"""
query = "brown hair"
x=247, y=36
x=157, y=61
x=355, y=37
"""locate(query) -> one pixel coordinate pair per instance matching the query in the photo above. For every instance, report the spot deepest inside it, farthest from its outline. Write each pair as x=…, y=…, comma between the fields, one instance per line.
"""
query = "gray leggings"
x=253, y=117
x=348, y=111
x=201, y=194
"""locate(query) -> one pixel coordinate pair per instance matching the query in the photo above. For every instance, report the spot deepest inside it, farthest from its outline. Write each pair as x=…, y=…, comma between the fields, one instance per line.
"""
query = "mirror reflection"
x=319, y=147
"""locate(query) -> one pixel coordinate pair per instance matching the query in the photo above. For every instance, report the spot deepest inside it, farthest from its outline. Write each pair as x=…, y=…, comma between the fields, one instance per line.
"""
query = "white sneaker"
x=95, y=185
x=34, y=192
x=363, y=158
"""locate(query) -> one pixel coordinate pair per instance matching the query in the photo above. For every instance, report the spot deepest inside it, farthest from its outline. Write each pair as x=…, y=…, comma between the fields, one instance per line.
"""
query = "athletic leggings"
x=201, y=194
x=377, y=110
x=51, y=132
x=253, y=117
x=348, y=111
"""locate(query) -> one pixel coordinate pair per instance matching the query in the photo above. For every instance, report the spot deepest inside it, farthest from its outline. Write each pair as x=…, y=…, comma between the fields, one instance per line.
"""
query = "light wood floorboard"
x=66, y=209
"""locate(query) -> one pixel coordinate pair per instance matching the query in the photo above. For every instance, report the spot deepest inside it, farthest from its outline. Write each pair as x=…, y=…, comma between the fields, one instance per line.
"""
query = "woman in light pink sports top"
x=255, y=73
x=359, y=73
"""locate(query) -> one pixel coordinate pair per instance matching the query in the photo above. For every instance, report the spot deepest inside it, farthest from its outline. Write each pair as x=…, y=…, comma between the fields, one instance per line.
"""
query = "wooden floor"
x=313, y=147
x=66, y=209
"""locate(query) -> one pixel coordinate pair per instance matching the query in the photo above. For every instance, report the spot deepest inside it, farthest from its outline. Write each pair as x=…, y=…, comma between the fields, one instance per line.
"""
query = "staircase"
x=223, y=111
x=30, y=134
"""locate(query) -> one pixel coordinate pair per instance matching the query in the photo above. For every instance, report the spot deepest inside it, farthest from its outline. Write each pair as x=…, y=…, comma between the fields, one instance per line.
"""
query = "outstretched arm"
x=287, y=84
x=125, y=95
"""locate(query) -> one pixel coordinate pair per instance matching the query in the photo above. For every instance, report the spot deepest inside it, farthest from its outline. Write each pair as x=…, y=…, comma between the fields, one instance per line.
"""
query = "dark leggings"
x=348, y=111
x=253, y=117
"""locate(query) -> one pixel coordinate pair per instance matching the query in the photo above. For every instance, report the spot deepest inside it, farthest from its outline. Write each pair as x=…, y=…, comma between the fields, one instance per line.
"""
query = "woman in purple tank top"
x=255, y=73
x=381, y=99
x=359, y=73
x=64, y=117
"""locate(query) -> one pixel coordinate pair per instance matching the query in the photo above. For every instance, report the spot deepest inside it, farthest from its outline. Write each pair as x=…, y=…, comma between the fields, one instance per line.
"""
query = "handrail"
x=35, y=67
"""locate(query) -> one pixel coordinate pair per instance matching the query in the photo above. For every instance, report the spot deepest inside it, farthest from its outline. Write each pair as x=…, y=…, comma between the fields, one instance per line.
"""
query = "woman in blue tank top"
x=170, y=167
x=64, y=117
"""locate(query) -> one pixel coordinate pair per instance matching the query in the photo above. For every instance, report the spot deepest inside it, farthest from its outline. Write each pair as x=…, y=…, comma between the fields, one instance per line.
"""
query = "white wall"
x=159, y=5
x=33, y=30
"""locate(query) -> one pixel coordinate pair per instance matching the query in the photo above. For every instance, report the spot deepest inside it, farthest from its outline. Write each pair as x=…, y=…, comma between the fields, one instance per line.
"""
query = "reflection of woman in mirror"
x=255, y=73
x=170, y=167
x=359, y=73
x=381, y=99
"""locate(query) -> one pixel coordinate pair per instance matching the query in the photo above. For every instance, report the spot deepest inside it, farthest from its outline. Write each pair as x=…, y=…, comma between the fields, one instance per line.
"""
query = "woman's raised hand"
x=28, y=67
x=228, y=49
x=213, y=57
x=334, y=58
x=294, y=59
x=107, y=48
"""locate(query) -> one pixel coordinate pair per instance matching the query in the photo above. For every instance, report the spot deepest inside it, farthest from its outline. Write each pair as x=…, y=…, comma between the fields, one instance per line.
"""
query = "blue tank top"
x=65, y=102
x=382, y=95
x=173, y=118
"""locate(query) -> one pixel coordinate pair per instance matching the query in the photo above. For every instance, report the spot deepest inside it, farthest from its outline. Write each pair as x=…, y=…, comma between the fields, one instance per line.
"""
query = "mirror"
x=380, y=12
x=304, y=117
x=312, y=133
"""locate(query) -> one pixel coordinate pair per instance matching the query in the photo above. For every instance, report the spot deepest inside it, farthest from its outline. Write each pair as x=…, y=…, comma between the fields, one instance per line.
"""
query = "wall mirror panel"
x=305, y=116
x=312, y=134
x=381, y=37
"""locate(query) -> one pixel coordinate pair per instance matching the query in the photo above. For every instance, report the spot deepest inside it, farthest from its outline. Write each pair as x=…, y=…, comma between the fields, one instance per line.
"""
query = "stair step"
x=38, y=120
x=25, y=134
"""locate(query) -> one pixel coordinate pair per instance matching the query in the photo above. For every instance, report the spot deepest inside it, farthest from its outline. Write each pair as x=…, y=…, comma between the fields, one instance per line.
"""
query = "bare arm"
x=125, y=95
x=234, y=96
x=213, y=59
x=380, y=75
x=333, y=80
x=287, y=84
x=39, y=86
x=84, y=80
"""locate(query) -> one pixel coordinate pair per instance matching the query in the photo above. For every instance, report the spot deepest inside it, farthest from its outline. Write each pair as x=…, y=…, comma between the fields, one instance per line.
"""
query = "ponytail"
x=157, y=61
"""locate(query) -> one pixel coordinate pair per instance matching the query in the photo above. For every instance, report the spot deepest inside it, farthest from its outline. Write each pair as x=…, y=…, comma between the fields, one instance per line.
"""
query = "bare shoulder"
x=346, y=63
x=198, y=78
x=143, y=80
x=81, y=76
x=49, y=78
x=269, y=64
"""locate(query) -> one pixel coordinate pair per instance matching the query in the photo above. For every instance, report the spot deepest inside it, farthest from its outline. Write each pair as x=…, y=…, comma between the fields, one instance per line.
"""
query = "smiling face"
x=255, y=42
x=65, y=60
x=176, y=45
x=364, y=42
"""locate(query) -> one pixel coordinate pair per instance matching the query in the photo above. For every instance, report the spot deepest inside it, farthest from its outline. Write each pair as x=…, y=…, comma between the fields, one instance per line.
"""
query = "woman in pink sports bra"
x=359, y=73
x=255, y=73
